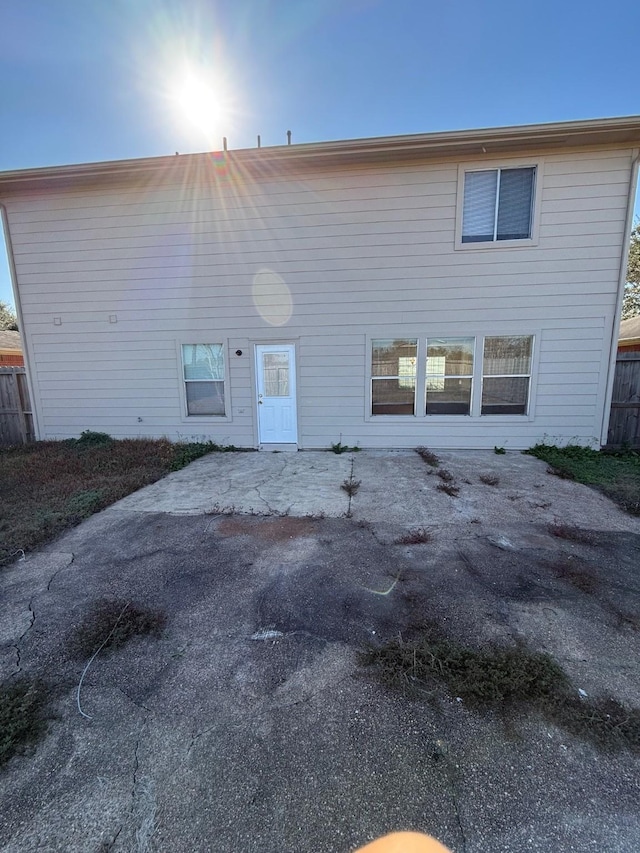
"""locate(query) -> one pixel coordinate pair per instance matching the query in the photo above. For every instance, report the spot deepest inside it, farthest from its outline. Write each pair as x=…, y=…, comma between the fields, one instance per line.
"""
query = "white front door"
x=276, y=378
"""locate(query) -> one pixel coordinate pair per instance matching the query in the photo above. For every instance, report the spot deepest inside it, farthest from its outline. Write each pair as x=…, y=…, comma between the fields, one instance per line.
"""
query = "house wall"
x=112, y=278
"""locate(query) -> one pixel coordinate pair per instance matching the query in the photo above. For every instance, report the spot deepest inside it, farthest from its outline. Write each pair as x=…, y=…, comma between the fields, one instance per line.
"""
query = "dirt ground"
x=249, y=724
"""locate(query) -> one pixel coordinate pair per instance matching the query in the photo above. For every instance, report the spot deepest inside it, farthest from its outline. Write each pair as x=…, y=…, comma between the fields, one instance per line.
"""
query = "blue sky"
x=87, y=80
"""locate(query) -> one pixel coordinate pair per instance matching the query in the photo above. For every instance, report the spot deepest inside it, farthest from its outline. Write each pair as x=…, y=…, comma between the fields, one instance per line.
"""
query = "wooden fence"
x=16, y=419
x=624, y=421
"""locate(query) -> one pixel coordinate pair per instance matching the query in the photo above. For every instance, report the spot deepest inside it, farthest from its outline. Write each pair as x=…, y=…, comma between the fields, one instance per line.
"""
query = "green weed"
x=83, y=504
x=615, y=473
x=88, y=438
x=186, y=453
x=339, y=447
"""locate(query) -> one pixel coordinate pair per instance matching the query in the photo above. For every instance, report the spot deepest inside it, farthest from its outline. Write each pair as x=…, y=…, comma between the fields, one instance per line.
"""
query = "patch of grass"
x=508, y=679
x=560, y=473
x=49, y=486
x=351, y=487
x=83, y=504
x=449, y=489
x=573, y=534
x=23, y=715
x=428, y=456
x=419, y=536
x=339, y=447
x=88, y=438
x=481, y=678
x=489, y=479
x=114, y=622
x=184, y=454
x=616, y=473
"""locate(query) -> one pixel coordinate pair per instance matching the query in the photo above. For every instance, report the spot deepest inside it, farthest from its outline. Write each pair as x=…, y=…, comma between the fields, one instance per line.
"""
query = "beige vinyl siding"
x=367, y=252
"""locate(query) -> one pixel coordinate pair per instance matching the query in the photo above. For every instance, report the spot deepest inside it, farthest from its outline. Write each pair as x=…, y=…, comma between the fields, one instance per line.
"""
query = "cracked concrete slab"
x=249, y=725
x=261, y=483
x=399, y=487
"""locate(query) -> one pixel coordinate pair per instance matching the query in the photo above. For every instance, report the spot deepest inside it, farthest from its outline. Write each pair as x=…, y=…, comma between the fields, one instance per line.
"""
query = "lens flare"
x=202, y=102
x=272, y=297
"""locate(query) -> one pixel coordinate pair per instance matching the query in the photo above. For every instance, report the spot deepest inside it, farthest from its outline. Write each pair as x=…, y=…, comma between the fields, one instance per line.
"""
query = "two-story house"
x=454, y=289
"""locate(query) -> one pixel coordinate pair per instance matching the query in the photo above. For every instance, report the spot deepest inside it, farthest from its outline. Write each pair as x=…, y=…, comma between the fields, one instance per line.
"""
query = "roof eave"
x=485, y=141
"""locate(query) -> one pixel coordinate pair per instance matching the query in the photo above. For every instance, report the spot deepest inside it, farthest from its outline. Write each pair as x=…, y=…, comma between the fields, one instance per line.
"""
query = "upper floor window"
x=498, y=205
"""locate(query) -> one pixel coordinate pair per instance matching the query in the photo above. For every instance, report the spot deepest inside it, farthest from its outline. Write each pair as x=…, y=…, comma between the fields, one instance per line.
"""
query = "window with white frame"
x=203, y=374
x=393, y=377
x=426, y=377
x=449, y=375
x=498, y=204
x=506, y=375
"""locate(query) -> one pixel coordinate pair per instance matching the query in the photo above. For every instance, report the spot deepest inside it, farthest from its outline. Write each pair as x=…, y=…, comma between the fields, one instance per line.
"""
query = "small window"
x=498, y=205
x=393, y=377
x=203, y=371
x=275, y=369
x=449, y=374
x=506, y=375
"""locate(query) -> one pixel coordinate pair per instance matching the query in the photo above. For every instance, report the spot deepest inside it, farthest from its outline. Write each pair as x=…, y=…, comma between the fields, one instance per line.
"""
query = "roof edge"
x=623, y=130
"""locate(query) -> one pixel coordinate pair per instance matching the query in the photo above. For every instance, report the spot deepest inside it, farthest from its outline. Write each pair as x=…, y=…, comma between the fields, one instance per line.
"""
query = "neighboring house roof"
x=388, y=149
x=10, y=349
x=10, y=341
x=629, y=331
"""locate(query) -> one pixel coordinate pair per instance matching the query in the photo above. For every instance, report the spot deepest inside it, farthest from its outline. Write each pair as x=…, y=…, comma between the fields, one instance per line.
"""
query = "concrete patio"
x=250, y=726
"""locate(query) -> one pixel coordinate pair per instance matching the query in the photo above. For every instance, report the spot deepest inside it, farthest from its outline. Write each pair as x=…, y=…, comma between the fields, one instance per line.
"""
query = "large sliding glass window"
x=506, y=375
x=393, y=377
x=449, y=375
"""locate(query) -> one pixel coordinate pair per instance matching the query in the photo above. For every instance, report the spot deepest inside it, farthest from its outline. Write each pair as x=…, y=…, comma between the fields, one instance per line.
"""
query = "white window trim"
x=496, y=245
x=185, y=417
x=368, y=343
x=471, y=376
x=476, y=378
x=370, y=377
x=528, y=414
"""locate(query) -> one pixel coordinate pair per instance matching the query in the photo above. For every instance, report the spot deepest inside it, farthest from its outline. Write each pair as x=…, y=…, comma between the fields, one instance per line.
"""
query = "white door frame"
x=276, y=416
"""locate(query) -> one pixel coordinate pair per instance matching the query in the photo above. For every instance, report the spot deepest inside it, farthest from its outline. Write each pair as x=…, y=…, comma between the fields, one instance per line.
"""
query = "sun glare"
x=203, y=102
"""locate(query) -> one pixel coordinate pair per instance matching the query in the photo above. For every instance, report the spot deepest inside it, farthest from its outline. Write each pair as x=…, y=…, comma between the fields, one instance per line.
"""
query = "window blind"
x=479, y=212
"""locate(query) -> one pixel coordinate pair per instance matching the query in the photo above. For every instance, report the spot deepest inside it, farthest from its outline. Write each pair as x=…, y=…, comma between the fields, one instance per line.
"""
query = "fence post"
x=15, y=413
x=624, y=417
